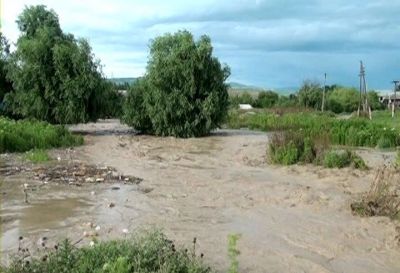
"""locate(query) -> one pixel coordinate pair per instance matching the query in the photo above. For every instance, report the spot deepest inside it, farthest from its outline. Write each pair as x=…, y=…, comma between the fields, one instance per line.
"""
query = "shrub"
x=37, y=156
x=382, y=199
x=266, y=99
x=335, y=159
x=183, y=93
x=310, y=95
x=24, y=135
x=149, y=253
x=285, y=148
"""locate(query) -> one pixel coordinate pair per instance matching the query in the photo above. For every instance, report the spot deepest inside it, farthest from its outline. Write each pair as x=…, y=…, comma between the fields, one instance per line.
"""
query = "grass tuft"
x=37, y=156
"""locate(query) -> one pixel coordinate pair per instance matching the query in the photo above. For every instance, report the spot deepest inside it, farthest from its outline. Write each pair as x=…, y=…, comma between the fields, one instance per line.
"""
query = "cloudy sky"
x=271, y=43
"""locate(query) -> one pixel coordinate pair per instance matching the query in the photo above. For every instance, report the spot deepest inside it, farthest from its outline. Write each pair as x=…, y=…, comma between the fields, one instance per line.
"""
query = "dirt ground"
x=291, y=219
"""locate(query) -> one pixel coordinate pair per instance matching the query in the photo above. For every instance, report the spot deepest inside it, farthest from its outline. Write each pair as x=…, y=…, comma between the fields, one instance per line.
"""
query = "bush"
x=335, y=159
x=341, y=159
x=149, y=253
x=343, y=99
x=266, y=99
x=183, y=93
x=24, y=135
x=310, y=95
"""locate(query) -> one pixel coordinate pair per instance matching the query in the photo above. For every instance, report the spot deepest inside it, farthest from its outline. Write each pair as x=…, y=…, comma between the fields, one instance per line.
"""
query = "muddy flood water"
x=291, y=219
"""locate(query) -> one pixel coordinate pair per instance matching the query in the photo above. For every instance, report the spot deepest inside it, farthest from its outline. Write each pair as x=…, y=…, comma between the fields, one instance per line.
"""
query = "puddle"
x=50, y=214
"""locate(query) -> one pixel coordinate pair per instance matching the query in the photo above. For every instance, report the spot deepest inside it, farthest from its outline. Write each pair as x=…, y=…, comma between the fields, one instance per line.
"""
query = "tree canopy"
x=55, y=76
x=183, y=93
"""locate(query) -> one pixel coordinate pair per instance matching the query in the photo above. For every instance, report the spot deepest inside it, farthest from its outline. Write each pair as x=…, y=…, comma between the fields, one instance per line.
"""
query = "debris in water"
x=79, y=173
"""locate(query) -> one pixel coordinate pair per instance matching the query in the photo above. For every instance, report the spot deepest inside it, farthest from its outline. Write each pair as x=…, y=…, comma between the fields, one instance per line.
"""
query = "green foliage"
x=350, y=132
x=54, y=75
x=341, y=159
x=183, y=93
x=310, y=95
x=373, y=101
x=336, y=159
x=5, y=84
x=37, y=156
x=343, y=99
x=24, y=135
x=233, y=253
x=148, y=253
x=266, y=99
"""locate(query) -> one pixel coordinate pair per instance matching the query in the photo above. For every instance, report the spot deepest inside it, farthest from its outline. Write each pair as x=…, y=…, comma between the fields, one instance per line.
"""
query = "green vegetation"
x=24, y=135
x=233, y=253
x=291, y=147
x=382, y=199
x=37, y=156
x=54, y=75
x=183, y=93
x=348, y=132
x=148, y=253
x=341, y=159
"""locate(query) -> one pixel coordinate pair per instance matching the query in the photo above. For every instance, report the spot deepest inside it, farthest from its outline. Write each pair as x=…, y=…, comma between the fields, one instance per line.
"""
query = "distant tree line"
x=339, y=99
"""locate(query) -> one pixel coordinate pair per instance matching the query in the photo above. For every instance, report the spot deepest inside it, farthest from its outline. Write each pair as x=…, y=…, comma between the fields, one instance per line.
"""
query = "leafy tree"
x=5, y=84
x=183, y=93
x=267, y=99
x=54, y=75
x=310, y=95
x=373, y=101
x=343, y=99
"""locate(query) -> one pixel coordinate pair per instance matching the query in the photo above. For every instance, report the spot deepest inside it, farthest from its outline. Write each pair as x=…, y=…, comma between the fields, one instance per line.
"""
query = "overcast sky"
x=271, y=43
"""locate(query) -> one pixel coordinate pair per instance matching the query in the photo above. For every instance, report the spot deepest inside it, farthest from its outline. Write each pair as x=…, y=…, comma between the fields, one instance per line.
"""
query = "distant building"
x=389, y=100
x=245, y=107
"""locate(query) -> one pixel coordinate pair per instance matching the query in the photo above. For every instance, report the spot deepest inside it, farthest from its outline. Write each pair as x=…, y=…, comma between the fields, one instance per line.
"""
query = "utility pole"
x=366, y=110
x=396, y=86
x=323, y=95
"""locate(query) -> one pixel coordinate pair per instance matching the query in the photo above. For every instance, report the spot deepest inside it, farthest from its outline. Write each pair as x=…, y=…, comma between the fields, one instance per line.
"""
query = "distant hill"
x=238, y=86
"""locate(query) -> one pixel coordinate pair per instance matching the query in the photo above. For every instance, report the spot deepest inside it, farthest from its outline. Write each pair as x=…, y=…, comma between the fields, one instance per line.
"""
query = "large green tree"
x=55, y=76
x=183, y=93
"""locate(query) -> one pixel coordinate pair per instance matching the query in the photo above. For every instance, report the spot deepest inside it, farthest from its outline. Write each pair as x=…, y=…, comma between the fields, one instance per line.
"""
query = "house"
x=388, y=100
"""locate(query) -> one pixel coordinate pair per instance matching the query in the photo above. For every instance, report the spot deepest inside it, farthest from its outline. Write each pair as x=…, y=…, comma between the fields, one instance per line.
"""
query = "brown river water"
x=291, y=219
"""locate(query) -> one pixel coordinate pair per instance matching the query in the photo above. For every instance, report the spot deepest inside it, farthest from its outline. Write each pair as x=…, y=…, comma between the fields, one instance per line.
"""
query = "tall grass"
x=24, y=135
x=349, y=132
x=151, y=252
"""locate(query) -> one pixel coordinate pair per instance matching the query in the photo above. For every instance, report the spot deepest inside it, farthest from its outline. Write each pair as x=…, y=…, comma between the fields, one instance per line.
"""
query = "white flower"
x=384, y=128
x=97, y=228
x=125, y=230
x=91, y=243
x=58, y=158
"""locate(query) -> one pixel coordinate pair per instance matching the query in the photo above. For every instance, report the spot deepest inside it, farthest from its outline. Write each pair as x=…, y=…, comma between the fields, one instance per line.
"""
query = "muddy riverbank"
x=292, y=219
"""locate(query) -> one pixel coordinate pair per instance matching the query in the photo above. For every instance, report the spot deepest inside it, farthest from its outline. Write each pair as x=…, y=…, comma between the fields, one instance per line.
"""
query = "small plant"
x=233, y=253
x=382, y=199
x=358, y=163
x=37, y=156
x=145, y=253
x=337, y=159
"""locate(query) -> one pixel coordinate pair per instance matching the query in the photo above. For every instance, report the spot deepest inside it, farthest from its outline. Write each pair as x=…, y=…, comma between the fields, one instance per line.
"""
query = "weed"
x=145, y=253
x=233, y=253
x=37, y=156
x=382, y=199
